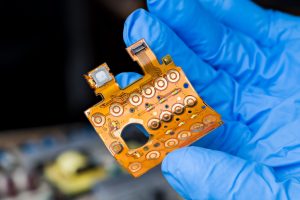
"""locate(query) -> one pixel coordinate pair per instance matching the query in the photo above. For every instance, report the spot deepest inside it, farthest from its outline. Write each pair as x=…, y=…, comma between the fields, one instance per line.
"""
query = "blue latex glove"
x=245, y=63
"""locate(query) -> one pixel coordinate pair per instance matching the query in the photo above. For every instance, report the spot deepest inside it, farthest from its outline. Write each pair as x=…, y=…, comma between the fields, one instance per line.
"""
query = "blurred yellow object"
x=67, y=174
x=69, y=162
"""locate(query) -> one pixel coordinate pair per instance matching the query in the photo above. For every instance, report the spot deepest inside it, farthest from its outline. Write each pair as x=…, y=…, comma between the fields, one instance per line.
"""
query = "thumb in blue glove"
x=198, y=173
x=244, y=62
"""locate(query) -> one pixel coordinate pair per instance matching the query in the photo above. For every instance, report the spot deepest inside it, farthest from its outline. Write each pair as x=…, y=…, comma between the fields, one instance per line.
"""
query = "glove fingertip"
x=129, y=24
x=126, y=78
x=155, y=4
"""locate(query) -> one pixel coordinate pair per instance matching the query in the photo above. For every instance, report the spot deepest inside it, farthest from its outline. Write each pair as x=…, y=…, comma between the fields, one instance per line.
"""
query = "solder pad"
x=163, y=101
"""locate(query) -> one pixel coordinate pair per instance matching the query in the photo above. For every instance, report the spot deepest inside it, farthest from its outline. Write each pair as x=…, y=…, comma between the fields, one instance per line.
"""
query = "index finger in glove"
x=268, y=27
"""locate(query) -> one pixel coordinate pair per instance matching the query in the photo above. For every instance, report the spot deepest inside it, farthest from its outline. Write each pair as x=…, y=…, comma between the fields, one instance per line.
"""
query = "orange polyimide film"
x=186, y=118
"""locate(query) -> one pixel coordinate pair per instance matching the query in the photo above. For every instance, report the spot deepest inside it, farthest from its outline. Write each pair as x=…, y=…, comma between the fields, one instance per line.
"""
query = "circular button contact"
x=116, y=109
x=166, y=116
x=116, y=147
x=178, y=108
x=184, y=135
x=134, y=167
x=197, y=127
x=171, y=143
x=154, y=124
x=98, y=119
x=148, y=91
x=209, y=119
x=135, y=99
x=173, y=76
x=190, y=101
x=160, y=83
x=153, y=155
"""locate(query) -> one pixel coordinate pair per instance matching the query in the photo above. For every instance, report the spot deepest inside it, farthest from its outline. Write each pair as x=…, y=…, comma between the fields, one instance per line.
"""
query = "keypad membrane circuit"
x=163, y=101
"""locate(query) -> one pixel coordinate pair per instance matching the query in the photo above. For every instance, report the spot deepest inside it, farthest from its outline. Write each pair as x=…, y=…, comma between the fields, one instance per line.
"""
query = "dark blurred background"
x=46, y=46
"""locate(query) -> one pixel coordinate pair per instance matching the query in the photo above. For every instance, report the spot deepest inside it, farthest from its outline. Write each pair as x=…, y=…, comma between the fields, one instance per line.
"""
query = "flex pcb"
x=163, y=101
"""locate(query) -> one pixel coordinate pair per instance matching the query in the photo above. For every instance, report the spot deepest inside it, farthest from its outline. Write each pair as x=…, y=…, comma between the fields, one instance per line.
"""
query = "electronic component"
x=163, y=102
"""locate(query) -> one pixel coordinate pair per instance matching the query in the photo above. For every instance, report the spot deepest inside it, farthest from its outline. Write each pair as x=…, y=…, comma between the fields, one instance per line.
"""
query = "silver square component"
x=101, y=76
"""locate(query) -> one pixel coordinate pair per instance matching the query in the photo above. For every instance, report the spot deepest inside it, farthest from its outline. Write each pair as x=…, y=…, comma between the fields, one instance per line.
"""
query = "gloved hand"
x=245, y=62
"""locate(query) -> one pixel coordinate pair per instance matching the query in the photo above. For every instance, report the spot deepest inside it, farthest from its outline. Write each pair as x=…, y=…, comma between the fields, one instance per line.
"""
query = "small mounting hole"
x=185, y=85
x=156, y=145
x=166, y=106
x=146, y=148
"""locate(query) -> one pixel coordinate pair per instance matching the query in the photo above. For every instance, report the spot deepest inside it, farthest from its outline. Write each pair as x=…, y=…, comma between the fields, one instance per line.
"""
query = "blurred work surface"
x=69, y=162
x=47, y=45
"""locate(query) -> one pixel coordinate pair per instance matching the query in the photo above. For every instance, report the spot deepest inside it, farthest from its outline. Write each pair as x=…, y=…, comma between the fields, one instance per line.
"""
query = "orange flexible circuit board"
x=163, y=101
